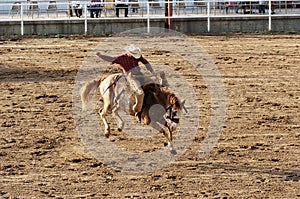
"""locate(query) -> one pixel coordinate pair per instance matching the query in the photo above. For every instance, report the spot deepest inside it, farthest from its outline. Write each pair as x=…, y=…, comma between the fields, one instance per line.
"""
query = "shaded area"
x=13, y=74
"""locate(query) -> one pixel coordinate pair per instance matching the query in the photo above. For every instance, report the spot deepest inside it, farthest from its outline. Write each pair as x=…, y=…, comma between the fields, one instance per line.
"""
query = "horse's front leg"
x=145, y=116
x=168, y=135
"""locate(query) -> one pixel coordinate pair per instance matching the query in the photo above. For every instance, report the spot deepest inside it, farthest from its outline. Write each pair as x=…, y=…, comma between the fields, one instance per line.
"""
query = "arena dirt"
x=257, y=154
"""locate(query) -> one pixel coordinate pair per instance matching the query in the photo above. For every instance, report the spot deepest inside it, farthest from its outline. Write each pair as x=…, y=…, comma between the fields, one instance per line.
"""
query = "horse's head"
x=157, y=94
x=176, y=103
x=174, y=109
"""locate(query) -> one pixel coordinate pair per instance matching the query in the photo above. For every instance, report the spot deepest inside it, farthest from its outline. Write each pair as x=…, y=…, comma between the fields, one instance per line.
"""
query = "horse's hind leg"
x=120, y=122
x=102, y=113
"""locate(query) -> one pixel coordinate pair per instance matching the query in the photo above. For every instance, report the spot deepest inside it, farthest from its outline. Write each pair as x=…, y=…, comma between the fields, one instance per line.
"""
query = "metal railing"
x=23, y=11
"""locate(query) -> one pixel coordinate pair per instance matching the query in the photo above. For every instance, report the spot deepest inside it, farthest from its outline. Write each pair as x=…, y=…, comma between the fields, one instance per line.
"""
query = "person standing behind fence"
x=273, y=6
x=237, y=7
x=77, y=7
x=228, y=5
x=122, y=4
x=134, y=6
x=261, y=7
x=95, y=7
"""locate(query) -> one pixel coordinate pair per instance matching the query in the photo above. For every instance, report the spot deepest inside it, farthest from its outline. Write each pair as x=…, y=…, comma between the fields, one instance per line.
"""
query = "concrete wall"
x=250, y=24
x=192, y=25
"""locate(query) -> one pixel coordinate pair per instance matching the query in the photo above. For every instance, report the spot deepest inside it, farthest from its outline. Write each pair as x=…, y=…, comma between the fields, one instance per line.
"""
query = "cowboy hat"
x=134, y=51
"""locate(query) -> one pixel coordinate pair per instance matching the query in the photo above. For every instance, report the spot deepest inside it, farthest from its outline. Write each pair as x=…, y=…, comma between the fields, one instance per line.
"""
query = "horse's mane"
x=158, y=91
x=155, y=88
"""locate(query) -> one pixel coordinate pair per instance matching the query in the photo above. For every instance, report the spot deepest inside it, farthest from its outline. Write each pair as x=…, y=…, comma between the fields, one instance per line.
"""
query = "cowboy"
x=129, y=63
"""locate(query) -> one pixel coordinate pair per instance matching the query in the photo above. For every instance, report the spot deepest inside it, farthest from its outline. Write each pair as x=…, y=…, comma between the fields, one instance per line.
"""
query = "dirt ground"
x=257, y=154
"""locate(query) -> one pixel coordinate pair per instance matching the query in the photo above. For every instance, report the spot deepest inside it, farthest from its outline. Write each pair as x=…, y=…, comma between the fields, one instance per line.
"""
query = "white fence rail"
x=23, y=11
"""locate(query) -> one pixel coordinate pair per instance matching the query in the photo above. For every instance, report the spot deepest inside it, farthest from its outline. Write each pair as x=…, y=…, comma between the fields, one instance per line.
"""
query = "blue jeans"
x=95, y=11
x=261, y=9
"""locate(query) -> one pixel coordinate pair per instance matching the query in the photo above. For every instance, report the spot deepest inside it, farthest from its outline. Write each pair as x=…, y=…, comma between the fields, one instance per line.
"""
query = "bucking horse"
x=113, y=87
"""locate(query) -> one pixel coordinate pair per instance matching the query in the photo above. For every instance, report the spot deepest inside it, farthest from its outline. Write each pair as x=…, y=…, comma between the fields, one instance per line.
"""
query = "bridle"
x=170, y=115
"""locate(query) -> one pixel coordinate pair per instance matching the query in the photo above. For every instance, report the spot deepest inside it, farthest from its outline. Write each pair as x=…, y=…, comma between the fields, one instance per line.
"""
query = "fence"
x=30, y=11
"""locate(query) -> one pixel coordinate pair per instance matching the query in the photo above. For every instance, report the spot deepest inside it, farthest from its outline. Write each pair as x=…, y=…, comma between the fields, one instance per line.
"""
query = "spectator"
x=122, y=4
x=262, y=7
x=134, y=6
x=237, y=7
x=228, y=5
x=77, y=7
x=273, y=6
x=95, y=7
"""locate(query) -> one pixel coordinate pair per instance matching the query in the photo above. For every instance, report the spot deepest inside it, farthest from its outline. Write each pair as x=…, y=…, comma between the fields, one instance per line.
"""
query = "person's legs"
x=76, y=12
x=260, y=9
x=80, y=12
x=273, y=7
x=97, y=12
x=117, y=9
x=91, y=13
x=126, y=10
x=138, y=93
x=237, y=7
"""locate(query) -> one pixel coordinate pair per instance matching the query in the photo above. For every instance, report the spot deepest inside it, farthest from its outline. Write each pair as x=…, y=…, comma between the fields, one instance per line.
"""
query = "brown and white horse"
x=160, y=108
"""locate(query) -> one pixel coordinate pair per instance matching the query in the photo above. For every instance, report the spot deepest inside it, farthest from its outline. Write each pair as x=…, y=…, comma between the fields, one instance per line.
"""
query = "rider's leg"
x=137, y=92
x=139, y=98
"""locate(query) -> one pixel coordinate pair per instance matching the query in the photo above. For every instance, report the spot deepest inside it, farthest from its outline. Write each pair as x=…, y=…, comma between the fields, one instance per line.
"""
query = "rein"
x=169, y=108
x=113, y=83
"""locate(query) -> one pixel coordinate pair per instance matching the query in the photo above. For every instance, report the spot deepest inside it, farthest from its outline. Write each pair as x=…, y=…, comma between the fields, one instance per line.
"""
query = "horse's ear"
x=183, y=106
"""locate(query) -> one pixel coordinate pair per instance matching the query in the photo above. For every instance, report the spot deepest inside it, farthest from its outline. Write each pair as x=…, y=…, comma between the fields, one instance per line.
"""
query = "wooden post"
x=168, y=13
x=69, y=9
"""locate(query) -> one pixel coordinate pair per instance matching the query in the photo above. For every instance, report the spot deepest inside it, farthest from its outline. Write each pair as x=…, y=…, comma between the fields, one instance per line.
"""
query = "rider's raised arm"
x=106, y=57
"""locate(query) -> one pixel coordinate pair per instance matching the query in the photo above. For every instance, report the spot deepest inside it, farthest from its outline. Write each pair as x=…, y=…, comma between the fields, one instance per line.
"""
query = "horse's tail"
x=87, y=89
